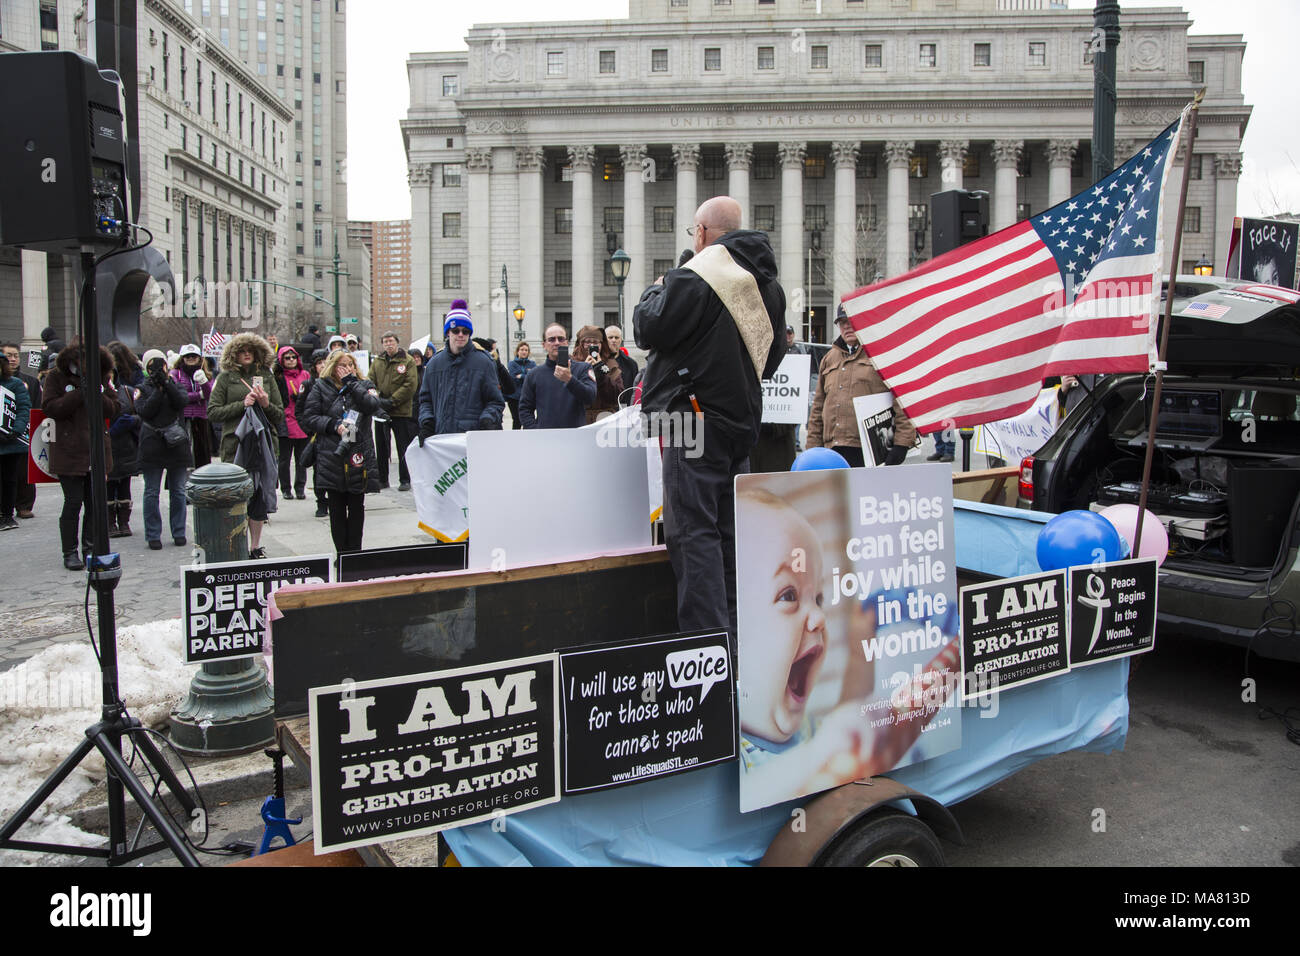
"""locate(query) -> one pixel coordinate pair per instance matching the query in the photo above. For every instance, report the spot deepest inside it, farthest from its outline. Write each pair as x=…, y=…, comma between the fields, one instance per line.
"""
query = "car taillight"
x=1027, y=478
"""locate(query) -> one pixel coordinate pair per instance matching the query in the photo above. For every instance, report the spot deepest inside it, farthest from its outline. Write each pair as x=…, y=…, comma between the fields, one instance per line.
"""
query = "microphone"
x=686, y=256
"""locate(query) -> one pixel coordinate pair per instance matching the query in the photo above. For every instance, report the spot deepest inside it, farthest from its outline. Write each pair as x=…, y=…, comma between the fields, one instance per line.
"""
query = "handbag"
x=309, y=456
x=174, y=435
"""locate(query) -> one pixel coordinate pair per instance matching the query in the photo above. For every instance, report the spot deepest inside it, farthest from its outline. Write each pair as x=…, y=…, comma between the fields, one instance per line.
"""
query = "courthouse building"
x=547, y=146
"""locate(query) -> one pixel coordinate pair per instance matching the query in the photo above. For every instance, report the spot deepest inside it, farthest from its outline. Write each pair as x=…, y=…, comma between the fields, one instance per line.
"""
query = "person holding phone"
x=340, y=412
x=245, y=381
x=594, y=347
x=558, y=392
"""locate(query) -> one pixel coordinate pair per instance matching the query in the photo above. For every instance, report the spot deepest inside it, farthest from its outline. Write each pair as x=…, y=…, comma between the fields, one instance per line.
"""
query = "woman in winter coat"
x=339, y=413
x=162, y=404
x=124, y=435
x=294, y=383
x=62, y=399
x=604, y=366
x=245, y=380
x=189, y=374
x=318, y=358
x=13, y=447
x=520, y=366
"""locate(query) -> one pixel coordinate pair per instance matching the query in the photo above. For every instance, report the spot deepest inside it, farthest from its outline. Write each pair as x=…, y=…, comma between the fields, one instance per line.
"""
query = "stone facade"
x=546, y=146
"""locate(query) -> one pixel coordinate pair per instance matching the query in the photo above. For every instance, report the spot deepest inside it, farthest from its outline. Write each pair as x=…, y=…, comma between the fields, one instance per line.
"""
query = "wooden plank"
x=303, y=854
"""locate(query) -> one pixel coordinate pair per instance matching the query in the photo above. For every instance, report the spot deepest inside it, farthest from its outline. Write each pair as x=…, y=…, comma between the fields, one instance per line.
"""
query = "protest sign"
x=1012, y=439
x=225, y=603
x=403, y=756
x=875, y=415
x=648, y=708
x=399, y=561
x=1112, y=610
x=1268, y=251
x=41, y=432
x=9, y=413
x=848, y=649
x=1014, y=631
x=785, y=394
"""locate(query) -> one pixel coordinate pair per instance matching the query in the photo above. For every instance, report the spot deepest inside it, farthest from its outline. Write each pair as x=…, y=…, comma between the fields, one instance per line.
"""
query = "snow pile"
x=46, y=704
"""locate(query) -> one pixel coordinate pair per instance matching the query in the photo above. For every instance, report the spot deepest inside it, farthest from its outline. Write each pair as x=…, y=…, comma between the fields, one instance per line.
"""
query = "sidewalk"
x=41, y=603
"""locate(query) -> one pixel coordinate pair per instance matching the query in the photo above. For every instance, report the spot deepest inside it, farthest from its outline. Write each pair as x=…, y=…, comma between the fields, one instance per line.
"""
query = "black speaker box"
x=63, y=181
x=1260, y=497
x=957, y=216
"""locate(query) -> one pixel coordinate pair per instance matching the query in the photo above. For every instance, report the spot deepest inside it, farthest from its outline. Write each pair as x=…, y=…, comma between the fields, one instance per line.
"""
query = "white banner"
x=785, y=394
x=1015, y=438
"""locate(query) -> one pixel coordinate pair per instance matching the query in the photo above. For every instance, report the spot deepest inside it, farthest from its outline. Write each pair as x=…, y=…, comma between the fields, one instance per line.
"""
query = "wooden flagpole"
x=1164, y=331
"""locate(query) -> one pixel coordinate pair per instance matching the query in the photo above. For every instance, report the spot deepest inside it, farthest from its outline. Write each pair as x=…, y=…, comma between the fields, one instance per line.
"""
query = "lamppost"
x=1203, y=267
x=519, y=318
x=619, y=264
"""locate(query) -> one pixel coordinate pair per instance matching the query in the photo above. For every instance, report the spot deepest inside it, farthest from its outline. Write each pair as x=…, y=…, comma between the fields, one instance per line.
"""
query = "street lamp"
x=620, y=263
x=519, y=317
x=1203, y=267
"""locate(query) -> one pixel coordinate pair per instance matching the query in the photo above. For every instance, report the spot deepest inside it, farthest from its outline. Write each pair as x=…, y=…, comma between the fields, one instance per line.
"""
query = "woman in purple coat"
x=197, y=386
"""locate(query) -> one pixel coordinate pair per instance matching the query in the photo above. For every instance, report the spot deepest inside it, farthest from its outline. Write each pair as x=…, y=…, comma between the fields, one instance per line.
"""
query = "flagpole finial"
x=1196, y=100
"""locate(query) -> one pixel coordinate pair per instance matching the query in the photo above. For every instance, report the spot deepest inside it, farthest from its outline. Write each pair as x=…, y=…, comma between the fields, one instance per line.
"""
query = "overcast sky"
x=383, y=33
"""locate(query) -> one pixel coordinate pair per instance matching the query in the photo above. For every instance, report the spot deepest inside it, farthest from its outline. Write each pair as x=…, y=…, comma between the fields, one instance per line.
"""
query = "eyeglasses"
x=557, y=338
x=459, y=332
x=692, y=230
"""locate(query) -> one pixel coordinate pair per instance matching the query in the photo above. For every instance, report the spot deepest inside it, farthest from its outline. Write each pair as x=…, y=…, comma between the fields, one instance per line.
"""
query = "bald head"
x=716, y=217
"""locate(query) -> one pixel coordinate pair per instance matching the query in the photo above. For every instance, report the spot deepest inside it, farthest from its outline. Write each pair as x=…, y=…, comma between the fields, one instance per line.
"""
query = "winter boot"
x=124, y=518
x=115, y=520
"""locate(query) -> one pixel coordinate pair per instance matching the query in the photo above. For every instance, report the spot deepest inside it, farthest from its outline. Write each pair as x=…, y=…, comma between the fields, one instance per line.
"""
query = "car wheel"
x=885, y=838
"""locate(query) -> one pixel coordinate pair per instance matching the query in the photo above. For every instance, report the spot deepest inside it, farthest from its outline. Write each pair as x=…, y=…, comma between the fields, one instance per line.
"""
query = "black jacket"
x=687, y=327
x=158, y=408
x=341, y=466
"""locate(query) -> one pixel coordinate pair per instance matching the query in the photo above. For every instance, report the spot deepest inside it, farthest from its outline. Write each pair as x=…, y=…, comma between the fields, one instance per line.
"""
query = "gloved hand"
x=349, y=381
x=386, y=404
x=896, y=456
x=427, y=430
x=200, y=377
x=485, y=423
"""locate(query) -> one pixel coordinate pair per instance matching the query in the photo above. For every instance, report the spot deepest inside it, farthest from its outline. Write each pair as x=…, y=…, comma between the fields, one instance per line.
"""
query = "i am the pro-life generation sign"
x=225, y=603
x=1014, y=631
x=402, y=756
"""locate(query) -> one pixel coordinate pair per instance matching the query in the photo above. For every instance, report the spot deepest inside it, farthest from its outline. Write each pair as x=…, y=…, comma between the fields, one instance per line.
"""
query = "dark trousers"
x=9, y=483
x=404, y=430
x=700, y=529
x=200, y=440
x=76, y=496
x=514, y=413
x=293, y=448
x=347, y=519
x=26, y=489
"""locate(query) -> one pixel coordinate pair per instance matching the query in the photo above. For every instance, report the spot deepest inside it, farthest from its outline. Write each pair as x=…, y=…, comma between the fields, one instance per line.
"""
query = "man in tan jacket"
x=846, y=372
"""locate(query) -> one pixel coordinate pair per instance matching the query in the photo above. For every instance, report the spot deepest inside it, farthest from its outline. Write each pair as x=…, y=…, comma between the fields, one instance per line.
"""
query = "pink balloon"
x=1155, y=542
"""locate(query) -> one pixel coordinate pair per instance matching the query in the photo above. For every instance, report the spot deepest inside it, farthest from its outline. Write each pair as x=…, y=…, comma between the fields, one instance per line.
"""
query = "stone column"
x=478, y=291
x=584, y=263
x=1227, y=168
x=530, y=163
x=1060, y=156
x=844, y=246
x=1006, y=157
x=633, y=223
x=36, y=300
x=424, y=284
x=952, y=162
x=739, y=158
x=897, y=244
x=791, y=270
x=686, y=158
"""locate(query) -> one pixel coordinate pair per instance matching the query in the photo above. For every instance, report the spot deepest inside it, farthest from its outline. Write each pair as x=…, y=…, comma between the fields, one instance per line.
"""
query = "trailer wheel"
x=885, y=838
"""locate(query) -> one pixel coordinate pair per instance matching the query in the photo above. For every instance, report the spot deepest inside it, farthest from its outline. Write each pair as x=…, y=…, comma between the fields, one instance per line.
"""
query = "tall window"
x=983, y=54
x=712, y=164
x=563, y=273
x=764, y=164
x=814, y=166
x=712, y=59
x=451, y=174
x=1196, y=70
x=659, y=61
x=875, y=56
x=1195, y=167
x=767, y=58
x=929, y=54
x=814, y=218
x=664, y=218
x=555, y=63
x=1192, y=219
x=866, y=217
x=765, y=218
x=607, y=61
x=613, y=221
x=451, y=275
x=450, y=225
x=564, y=220
x=820, y=56
x=1037, y=53
x=451, y=86
x=661, y=266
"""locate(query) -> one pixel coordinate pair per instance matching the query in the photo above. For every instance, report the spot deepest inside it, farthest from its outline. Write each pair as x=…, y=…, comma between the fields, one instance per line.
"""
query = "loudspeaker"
x=956, y=217
x=1260, y=497
x=63, y=181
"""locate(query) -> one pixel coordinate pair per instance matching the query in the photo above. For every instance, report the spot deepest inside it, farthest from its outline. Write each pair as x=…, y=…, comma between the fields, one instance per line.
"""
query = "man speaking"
x=714, y=330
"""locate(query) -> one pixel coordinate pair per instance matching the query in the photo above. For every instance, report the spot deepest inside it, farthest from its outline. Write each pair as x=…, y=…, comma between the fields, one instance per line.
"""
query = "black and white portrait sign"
x=411, y=755
x=1112, y=610
x=225, y=603
x=648, y=708
x=1268, y=251
x=1013, y=631
x=875, y=415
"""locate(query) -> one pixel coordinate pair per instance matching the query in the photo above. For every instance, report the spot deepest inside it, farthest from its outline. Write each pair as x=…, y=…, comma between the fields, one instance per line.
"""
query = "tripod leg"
x=168, y=776
x=162, y=823
x=43, y=793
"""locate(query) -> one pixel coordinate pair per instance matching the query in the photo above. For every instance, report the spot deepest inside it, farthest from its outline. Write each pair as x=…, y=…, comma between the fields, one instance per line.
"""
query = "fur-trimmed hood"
x=260, y=348
x=75, y=354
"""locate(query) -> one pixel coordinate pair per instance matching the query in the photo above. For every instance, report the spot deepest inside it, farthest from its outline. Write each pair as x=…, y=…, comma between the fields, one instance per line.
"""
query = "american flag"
x=968, y=337
x=213, y=341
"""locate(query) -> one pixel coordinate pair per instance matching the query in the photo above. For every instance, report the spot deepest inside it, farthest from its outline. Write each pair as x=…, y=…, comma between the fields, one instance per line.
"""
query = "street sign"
x=345, y=320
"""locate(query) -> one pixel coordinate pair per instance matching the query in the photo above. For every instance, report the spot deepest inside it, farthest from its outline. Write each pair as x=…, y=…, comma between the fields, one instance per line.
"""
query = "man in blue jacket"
x=557, y=396
x=460, y=391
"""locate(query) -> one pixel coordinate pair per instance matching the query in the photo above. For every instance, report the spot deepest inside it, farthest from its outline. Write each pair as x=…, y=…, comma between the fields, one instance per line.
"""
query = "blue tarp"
x=693, y=820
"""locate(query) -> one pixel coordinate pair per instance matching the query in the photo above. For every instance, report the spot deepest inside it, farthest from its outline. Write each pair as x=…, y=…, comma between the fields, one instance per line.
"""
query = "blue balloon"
x=818, y=459
x=1078, y=537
